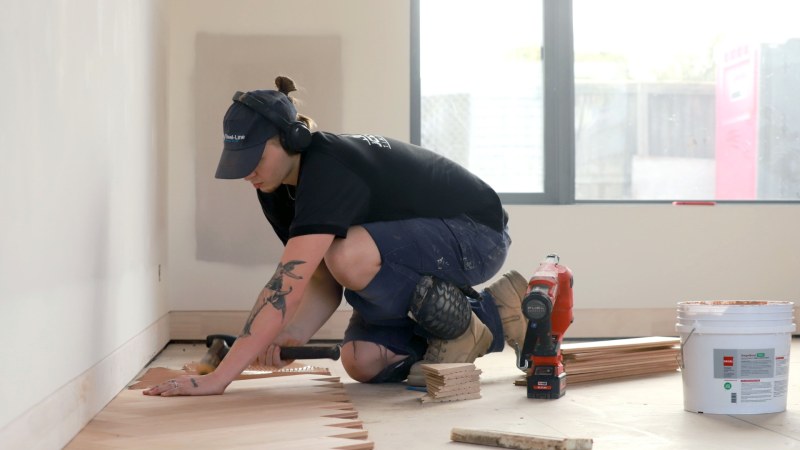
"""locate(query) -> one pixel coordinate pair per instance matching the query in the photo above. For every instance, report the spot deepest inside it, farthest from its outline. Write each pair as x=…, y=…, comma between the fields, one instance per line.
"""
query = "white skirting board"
x=52, y=423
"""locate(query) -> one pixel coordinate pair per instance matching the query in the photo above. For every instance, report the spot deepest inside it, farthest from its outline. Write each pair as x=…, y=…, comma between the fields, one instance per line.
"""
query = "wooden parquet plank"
x=302, y=411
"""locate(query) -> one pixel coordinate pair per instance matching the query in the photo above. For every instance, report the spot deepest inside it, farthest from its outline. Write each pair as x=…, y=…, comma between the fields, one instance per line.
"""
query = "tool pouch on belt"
x=440, y=308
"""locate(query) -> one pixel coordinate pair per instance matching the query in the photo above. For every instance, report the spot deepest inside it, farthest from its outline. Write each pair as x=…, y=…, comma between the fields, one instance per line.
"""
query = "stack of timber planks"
x=451, y=382
x=618, y=358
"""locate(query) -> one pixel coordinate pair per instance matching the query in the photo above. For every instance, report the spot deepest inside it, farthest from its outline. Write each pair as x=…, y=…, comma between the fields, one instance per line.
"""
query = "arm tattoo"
x=278, y=296
x=194, y=383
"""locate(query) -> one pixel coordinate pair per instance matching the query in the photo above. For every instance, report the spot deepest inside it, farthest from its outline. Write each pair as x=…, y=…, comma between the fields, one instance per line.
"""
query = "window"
x=481, y=88
x=678, y=100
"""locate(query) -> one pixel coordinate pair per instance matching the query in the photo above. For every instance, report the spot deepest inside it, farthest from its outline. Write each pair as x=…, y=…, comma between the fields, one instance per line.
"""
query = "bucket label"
x=744, y=363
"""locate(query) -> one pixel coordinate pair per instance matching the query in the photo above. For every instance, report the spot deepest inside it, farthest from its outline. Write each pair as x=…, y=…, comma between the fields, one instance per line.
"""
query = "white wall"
x=82, y=189
x=631, y=256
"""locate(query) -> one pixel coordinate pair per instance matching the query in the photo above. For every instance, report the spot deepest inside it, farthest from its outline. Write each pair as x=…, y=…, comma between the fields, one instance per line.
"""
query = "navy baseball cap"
x=245, y=131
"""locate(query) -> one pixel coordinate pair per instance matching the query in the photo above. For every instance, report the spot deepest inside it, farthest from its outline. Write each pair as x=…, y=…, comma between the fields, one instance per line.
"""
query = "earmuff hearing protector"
x=295, y=135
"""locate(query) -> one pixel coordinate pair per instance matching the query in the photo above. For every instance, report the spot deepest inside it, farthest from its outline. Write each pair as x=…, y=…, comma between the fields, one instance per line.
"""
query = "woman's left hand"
x=188, y=385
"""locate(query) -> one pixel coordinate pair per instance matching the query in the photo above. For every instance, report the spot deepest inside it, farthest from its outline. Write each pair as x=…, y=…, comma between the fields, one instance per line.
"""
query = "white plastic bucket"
x=735, y=355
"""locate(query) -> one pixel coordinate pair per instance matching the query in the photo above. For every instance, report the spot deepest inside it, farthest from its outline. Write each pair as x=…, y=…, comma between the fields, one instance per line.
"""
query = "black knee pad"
x=440, y=308
x=395, y=373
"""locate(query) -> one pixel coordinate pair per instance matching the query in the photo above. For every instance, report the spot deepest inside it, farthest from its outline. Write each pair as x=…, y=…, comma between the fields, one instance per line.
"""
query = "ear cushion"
x=296, y=137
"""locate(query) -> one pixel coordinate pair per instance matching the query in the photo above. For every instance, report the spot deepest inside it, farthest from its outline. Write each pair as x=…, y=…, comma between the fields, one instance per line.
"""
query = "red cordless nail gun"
x=548, y=307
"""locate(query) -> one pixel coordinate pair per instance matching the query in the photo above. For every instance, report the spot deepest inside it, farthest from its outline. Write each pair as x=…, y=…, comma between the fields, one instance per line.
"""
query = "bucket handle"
x=683, y=344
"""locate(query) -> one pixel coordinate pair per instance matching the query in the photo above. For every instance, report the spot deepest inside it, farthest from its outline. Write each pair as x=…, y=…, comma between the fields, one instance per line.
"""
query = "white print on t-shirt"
x=372, y=140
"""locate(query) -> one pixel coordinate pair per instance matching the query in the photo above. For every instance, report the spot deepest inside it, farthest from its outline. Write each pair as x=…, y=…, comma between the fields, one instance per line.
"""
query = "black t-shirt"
x=347, y=180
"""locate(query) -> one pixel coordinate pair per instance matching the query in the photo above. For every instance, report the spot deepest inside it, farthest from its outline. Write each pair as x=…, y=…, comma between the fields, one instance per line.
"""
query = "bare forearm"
x=273, y=309
x=278, y=302
x=320, y=300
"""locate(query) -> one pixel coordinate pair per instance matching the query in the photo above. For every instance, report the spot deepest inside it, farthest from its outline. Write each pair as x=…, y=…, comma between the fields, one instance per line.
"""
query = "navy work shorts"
x=458, y=250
